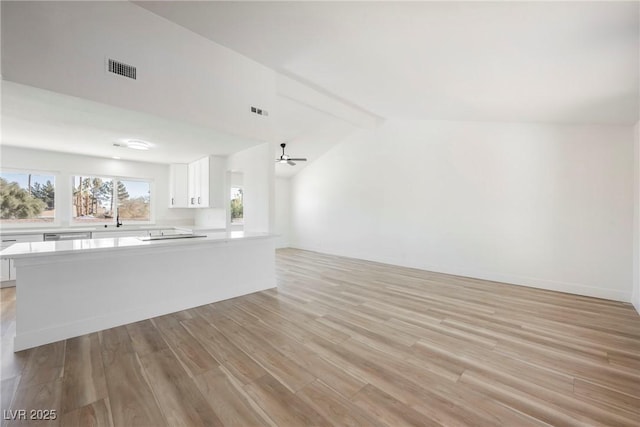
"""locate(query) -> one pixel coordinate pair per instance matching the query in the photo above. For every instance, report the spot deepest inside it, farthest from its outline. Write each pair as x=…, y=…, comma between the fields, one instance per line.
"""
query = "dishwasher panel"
x=67, y=236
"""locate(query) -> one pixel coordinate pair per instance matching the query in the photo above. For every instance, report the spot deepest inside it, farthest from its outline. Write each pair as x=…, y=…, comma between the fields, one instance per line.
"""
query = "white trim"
x=532, y=282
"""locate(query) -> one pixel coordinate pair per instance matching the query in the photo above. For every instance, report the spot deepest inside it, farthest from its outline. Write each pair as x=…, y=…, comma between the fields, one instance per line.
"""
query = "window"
x=27, y=198
x=236, y=206
x=102, y=199
x=134, y=200
x=92, y=199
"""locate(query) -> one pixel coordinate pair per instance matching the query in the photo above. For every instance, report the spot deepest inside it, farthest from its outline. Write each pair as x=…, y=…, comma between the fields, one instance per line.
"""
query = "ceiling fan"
x=286, y=159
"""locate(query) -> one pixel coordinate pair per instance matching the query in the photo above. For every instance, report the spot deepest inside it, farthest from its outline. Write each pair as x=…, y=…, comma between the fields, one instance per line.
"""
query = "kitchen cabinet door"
x=199, y=183
x=12, y=270
x=4, y=270
x=178, y=186
x=8, y=268
x=193, y=183
x=203, y=176
x=206, y=182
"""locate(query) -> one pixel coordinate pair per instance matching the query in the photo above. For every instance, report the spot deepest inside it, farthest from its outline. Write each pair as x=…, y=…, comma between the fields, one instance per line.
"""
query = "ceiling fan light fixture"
x=284, y=158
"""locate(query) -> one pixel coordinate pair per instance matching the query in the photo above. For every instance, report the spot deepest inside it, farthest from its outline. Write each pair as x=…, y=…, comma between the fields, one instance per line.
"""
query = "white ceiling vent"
x=122, y=69
x=259, y=111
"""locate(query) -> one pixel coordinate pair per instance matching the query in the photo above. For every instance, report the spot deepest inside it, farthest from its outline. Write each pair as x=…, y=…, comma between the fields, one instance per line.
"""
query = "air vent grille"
x=259, y=111
x=122, y=69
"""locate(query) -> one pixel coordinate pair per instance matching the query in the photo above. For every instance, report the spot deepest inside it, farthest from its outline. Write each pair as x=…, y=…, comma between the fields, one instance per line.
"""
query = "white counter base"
x=65, y=295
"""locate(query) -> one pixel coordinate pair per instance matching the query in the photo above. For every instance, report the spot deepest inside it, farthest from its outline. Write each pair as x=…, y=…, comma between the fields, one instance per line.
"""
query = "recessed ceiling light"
x=116, y=157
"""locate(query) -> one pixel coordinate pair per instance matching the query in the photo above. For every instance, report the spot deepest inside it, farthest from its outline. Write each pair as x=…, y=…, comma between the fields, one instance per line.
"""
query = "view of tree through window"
x=236, y=206
x=133, y=200
x=27, y=198
x=93, y=199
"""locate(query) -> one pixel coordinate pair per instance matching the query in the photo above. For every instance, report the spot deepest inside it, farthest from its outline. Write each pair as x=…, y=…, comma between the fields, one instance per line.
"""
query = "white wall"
x=283, y=212
x=538, y=205
x=180, y=74
x=635, y=299
x=210, y=218
x=67, y=165
x=257, y=168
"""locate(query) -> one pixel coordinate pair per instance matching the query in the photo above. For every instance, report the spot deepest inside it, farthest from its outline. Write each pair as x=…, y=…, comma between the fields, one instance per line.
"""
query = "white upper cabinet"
x=206, y=182
x=194, y=184
x=178, y=186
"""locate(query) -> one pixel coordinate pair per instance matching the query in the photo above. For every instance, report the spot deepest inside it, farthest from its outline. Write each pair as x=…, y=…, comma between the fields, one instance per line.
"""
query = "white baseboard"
x=551, y=285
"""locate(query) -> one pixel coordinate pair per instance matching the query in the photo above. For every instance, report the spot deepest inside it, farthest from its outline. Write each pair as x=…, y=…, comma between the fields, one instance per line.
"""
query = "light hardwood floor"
x=345, y=342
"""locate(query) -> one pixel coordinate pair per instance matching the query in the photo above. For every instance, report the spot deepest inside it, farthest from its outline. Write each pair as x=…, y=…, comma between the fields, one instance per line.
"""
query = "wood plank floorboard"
x=343, y=342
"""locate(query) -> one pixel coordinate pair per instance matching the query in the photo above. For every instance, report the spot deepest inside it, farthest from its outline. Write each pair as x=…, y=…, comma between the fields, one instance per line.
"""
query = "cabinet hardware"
x=192, y=201
x=13, y=240
x=172, y=201
x=198, y=200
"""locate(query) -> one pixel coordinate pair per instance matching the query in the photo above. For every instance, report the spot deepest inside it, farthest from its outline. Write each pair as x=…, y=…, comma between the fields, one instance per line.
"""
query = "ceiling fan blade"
x=284, y=158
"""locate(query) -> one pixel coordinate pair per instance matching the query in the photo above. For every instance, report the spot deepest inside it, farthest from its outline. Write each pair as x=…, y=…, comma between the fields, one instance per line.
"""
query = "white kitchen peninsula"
x=70, y=288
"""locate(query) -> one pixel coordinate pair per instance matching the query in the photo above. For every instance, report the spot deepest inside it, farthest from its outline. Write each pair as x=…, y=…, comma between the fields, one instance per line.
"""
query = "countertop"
x=98, y=229
x=42, y=249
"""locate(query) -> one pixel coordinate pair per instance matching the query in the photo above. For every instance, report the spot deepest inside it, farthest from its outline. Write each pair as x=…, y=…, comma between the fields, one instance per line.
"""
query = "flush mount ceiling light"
x=137, y=144
x=134, y=144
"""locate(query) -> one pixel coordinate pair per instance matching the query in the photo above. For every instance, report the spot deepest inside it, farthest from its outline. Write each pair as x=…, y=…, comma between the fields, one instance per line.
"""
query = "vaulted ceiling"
x=558, y=62
x=324, y=70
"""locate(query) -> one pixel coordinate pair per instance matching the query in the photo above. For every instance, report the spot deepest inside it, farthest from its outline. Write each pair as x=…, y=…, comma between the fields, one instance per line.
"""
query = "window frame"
x=152, y=211
x=241, y=223
x=115, y=179
x=57, y=220
x=72, y=222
